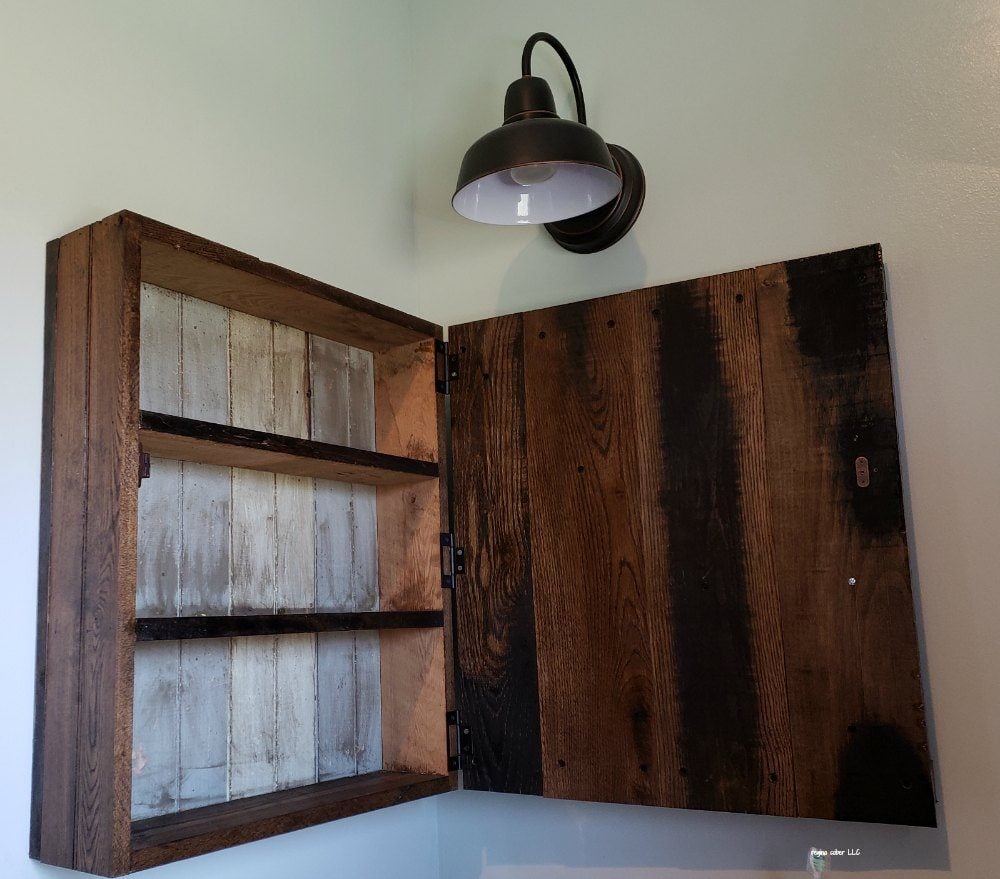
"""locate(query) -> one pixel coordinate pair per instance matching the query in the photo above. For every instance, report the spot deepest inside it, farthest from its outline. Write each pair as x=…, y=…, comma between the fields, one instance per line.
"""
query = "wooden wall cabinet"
x=679, y=560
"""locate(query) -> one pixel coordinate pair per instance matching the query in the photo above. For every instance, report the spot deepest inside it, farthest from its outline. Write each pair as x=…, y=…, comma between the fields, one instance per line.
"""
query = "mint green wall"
x=326, y=137
x=282, y=129
x=768, y=130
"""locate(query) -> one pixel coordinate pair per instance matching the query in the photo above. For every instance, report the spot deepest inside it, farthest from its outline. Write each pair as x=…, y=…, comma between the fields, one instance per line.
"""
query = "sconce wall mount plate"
x=539, y=169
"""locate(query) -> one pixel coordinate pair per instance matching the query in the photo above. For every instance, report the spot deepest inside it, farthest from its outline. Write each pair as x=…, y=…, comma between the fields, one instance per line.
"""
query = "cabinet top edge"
x=389, y=326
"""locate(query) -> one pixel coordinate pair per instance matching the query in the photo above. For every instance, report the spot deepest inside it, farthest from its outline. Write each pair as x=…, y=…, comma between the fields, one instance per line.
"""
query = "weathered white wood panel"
x=155, y=730
x=295, y=655
x=364, y=566
x=220, y=719
x=252, y=730
x=205, y=562
x=346, y=566
x=336, y=679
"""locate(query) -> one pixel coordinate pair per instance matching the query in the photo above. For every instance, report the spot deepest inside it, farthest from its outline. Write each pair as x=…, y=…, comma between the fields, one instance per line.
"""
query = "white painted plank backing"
x=252, y=748
x=155, y=724
x=295, y=655
x=205, y=562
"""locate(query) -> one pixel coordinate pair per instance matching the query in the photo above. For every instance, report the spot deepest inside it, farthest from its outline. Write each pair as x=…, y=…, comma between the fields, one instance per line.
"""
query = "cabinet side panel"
x=103, y=795
x=498, y=684
x=841, y=557
x=411, y=667
x=61, y=555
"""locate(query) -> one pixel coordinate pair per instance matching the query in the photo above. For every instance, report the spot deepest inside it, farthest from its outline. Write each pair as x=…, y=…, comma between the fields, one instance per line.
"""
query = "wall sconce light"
x=537, y=168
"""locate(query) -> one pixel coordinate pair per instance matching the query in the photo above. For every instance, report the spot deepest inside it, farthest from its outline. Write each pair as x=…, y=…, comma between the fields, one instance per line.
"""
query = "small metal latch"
x=460, y=752
x=861, y=471
x=452, y=560
x=144, y=466
x=445, y=367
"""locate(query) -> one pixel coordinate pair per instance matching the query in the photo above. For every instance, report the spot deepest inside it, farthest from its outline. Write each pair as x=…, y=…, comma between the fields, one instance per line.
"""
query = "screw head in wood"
x=851, y=581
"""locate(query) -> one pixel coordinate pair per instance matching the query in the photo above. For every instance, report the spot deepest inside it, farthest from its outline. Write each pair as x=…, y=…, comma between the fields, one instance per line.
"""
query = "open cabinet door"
x=687, y=580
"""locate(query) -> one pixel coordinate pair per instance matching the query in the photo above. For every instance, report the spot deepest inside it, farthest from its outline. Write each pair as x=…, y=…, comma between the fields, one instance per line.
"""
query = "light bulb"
x=526, y=175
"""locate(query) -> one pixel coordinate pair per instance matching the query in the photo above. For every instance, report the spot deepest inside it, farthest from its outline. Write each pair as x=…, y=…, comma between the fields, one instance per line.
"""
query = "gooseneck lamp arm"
x=574, y=77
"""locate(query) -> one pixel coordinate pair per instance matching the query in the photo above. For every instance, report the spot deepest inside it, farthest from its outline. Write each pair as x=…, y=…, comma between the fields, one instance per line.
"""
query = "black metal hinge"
x=445, y=367
x=452, y=560
x=460, y=753
x=144, y=465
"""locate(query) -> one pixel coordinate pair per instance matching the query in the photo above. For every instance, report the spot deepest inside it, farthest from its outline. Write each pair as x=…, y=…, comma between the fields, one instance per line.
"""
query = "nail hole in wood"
x=739, y=297
x=773, y=776
x=611, y=323
x=541, y=335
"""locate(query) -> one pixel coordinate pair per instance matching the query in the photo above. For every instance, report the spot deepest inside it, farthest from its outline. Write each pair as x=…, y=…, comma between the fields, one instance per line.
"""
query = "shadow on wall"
x=503, y=836
x=545, y=273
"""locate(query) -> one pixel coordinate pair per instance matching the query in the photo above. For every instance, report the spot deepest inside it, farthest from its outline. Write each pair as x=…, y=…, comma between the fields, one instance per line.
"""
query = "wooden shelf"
x=190, y=264
x=182, y=628
x=186, y=439
x=196, y=831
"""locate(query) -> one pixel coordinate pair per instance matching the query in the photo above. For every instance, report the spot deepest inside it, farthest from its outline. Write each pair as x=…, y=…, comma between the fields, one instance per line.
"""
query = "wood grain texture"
x=498, y=684
x=694, y=518
x=62, y=530
x=851, y=653
x=252, y=744
x=210, y=443
x=105, y=723
x=189, y=264
x=409, y=524
x=596, y=672
x=173, y=837
x=156, y=706
x=205, y=562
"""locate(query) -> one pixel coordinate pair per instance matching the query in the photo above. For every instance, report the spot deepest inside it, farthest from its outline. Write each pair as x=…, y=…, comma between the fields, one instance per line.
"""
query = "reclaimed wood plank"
x=62, y=542
x=851, y=654
x=252, y=710
x=498, y=680
x=205, y=563
x=412, y=678
x=596, y=672
x=364, y=565
x=103, y=791
x=295, y=655
x=170, y=838
x=189, y=264
x=211, y=443
x=156, y=710
x=337, y=721
x=725, y=631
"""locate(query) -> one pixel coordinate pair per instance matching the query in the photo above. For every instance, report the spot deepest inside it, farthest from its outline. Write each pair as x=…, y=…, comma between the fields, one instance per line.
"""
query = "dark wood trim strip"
x=62, y=529
x=171, y=436
x=178, y=628
x=196, y=831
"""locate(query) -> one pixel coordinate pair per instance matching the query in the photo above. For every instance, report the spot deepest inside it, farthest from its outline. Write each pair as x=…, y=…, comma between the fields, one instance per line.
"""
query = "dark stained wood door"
x=687, y=580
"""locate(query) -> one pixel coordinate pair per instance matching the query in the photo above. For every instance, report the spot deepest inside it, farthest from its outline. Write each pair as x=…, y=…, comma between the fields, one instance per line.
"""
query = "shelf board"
x=186, y=439
x=193, y=265
x=182, y=628
x=196, y=831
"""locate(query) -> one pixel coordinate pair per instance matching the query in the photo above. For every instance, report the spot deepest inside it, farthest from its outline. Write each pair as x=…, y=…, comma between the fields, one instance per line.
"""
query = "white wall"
x=768, y=130
x=326, y=136
x=279, y=128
